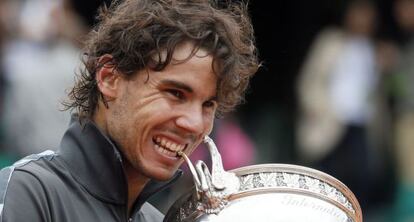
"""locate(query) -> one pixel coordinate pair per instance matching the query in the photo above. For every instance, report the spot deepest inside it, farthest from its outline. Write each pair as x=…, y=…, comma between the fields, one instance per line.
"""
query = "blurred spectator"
x=2, y=77
x=39, y=65
x=6, y=10
x=404, y=133
x=337, y=90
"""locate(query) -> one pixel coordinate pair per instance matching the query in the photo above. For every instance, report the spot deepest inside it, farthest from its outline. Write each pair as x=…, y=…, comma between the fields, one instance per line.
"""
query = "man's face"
x=156, y=114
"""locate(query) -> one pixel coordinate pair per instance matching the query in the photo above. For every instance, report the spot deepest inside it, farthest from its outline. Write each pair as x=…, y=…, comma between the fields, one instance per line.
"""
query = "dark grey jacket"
x=83, y=182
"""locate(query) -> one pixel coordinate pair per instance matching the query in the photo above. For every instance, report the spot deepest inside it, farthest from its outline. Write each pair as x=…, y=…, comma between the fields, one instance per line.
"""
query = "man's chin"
x=162, y=176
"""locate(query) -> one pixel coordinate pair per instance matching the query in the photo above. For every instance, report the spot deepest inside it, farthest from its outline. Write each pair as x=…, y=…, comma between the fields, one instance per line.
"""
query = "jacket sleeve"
x=24, y=199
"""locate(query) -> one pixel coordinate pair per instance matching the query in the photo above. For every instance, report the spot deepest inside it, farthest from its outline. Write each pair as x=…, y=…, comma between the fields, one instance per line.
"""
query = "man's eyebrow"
x=177, y=84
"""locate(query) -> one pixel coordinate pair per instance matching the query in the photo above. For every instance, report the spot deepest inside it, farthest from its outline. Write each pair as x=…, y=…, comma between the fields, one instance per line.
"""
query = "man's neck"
x=136, y=183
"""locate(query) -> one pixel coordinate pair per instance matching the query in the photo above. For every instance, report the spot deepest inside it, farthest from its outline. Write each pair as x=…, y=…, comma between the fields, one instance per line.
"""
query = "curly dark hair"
x=136, y=32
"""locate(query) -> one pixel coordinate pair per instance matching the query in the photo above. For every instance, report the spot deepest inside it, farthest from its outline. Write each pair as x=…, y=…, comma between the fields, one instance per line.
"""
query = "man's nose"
x=191, y=120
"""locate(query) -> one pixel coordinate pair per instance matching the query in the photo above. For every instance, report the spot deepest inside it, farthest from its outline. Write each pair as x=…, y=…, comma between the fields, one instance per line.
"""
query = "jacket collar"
x=95, y=163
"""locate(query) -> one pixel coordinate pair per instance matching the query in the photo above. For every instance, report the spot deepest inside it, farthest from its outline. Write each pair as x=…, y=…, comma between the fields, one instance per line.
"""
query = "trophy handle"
x=213, y=189
x=220, y=178
x=193, y=171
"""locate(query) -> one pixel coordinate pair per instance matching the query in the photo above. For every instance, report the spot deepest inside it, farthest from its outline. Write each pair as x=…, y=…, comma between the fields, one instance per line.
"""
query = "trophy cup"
x=265, y=193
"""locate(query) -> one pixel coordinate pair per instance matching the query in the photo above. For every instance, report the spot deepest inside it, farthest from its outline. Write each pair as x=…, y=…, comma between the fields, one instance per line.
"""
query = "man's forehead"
x=183, y=51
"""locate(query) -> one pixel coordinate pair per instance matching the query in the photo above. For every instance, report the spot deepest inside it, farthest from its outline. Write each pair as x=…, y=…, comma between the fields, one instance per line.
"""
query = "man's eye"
x=176, y=93
x=210, y=104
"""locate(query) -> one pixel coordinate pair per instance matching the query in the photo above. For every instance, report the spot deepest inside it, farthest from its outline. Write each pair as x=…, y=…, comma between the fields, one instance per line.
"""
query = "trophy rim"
x=356, y=214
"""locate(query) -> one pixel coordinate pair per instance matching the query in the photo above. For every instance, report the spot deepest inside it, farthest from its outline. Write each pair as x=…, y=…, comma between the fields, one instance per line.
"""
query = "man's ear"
x=107, y=77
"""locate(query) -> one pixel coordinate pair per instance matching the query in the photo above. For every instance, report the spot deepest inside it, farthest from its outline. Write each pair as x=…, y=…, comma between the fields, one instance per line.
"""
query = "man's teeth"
x=169, y=145
x=165, y=151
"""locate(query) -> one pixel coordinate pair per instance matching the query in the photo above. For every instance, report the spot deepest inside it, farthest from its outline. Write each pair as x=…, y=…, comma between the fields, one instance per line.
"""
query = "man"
x=156, y=74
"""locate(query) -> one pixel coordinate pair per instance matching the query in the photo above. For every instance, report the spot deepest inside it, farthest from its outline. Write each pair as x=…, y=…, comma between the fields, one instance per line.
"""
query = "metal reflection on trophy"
x=265, y=193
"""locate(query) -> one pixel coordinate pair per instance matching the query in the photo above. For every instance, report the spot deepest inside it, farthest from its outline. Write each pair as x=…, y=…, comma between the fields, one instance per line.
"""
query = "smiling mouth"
x=168, y=147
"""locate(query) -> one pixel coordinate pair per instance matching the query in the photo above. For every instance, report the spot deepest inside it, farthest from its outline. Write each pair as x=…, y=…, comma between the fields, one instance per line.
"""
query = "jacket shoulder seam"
x=6, y=174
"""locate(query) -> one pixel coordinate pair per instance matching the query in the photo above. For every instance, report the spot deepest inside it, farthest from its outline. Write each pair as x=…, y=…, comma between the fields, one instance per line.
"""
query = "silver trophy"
x=265, y=193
